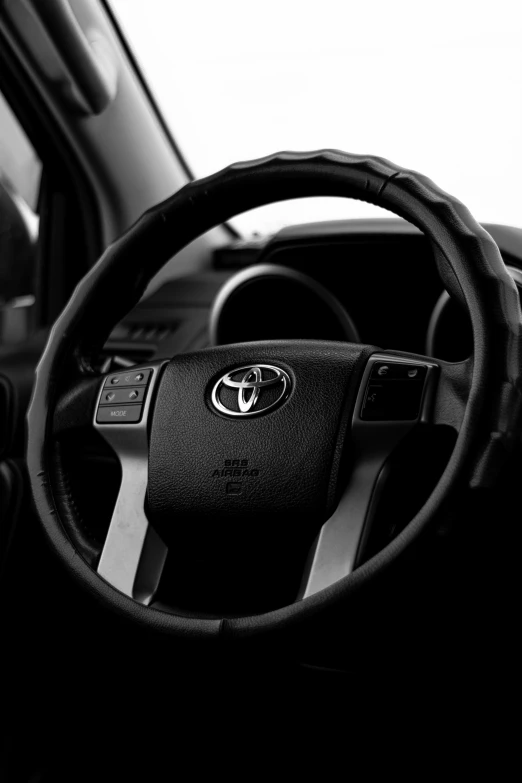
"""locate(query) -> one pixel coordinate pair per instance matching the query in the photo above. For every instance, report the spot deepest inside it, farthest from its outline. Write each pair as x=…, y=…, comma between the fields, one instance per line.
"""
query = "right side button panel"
x=394, y=392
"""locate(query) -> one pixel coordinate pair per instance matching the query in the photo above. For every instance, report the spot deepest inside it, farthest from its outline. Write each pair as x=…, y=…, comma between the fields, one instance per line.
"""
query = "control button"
x=374, y=406
x=119, y=414
x=121, y=396
x=131, y=378
x=395, y=400
x=396, y=371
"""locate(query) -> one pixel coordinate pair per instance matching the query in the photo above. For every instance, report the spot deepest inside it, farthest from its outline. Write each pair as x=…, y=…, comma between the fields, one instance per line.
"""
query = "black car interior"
x=247, y=485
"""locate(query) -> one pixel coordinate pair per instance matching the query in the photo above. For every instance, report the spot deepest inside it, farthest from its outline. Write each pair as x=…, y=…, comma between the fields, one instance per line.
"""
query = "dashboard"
x=373, y=281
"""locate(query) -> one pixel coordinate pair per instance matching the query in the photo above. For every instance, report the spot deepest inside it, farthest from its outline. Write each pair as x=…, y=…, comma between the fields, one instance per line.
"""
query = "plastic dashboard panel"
x=382, y=270
x=389, y=258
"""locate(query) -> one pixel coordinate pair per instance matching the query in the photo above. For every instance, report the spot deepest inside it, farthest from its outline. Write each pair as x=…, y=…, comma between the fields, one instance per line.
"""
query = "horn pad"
x=215, y=453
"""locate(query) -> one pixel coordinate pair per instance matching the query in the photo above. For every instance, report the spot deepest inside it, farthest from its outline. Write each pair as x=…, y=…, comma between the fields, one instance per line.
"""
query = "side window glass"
x=20, y=174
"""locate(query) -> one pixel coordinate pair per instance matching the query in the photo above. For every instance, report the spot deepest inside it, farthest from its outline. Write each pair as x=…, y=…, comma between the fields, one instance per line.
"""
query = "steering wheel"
x=276, y=438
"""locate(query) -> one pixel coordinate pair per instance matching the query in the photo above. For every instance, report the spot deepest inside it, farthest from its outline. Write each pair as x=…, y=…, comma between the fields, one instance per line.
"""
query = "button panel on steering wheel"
x=123, y=396
x=394, y=392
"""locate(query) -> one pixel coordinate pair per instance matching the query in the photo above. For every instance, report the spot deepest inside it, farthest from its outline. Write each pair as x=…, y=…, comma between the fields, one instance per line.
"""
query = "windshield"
x=434, y=87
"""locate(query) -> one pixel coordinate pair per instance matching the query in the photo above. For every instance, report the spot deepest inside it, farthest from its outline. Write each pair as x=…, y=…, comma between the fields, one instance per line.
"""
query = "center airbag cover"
x=285, y=461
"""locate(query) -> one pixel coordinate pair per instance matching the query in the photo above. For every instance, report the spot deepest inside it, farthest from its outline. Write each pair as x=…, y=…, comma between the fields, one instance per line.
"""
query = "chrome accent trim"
x=245, y=406
x=133, y=555
x=336, y=549
x=276, y=270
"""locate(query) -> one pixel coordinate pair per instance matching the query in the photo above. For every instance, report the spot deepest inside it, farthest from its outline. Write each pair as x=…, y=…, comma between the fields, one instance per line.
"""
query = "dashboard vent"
x=134, y=342
x=149, y=333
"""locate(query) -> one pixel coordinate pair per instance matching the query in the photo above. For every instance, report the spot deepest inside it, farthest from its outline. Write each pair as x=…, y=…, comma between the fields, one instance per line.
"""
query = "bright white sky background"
x=433, y=86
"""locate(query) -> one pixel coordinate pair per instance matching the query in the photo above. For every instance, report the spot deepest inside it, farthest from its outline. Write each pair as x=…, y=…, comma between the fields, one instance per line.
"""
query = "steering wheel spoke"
x=397, y=393
x=134, y=554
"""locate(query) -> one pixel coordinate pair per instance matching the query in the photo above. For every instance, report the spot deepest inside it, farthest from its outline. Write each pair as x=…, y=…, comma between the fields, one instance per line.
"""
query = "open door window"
x=20, y=177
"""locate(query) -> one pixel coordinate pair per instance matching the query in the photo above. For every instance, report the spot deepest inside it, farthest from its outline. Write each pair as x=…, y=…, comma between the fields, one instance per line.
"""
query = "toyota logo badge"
x=251, y=390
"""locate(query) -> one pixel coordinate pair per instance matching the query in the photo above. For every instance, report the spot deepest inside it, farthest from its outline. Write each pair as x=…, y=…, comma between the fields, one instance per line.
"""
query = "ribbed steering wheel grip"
x=470, y=265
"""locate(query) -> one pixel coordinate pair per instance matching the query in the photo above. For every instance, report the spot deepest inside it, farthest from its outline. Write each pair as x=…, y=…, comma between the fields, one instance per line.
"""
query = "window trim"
x=233, y=233
x=61, y=170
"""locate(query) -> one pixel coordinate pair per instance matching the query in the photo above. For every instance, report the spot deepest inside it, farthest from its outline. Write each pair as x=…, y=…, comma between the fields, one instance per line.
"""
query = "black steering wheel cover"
x=470, y=266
